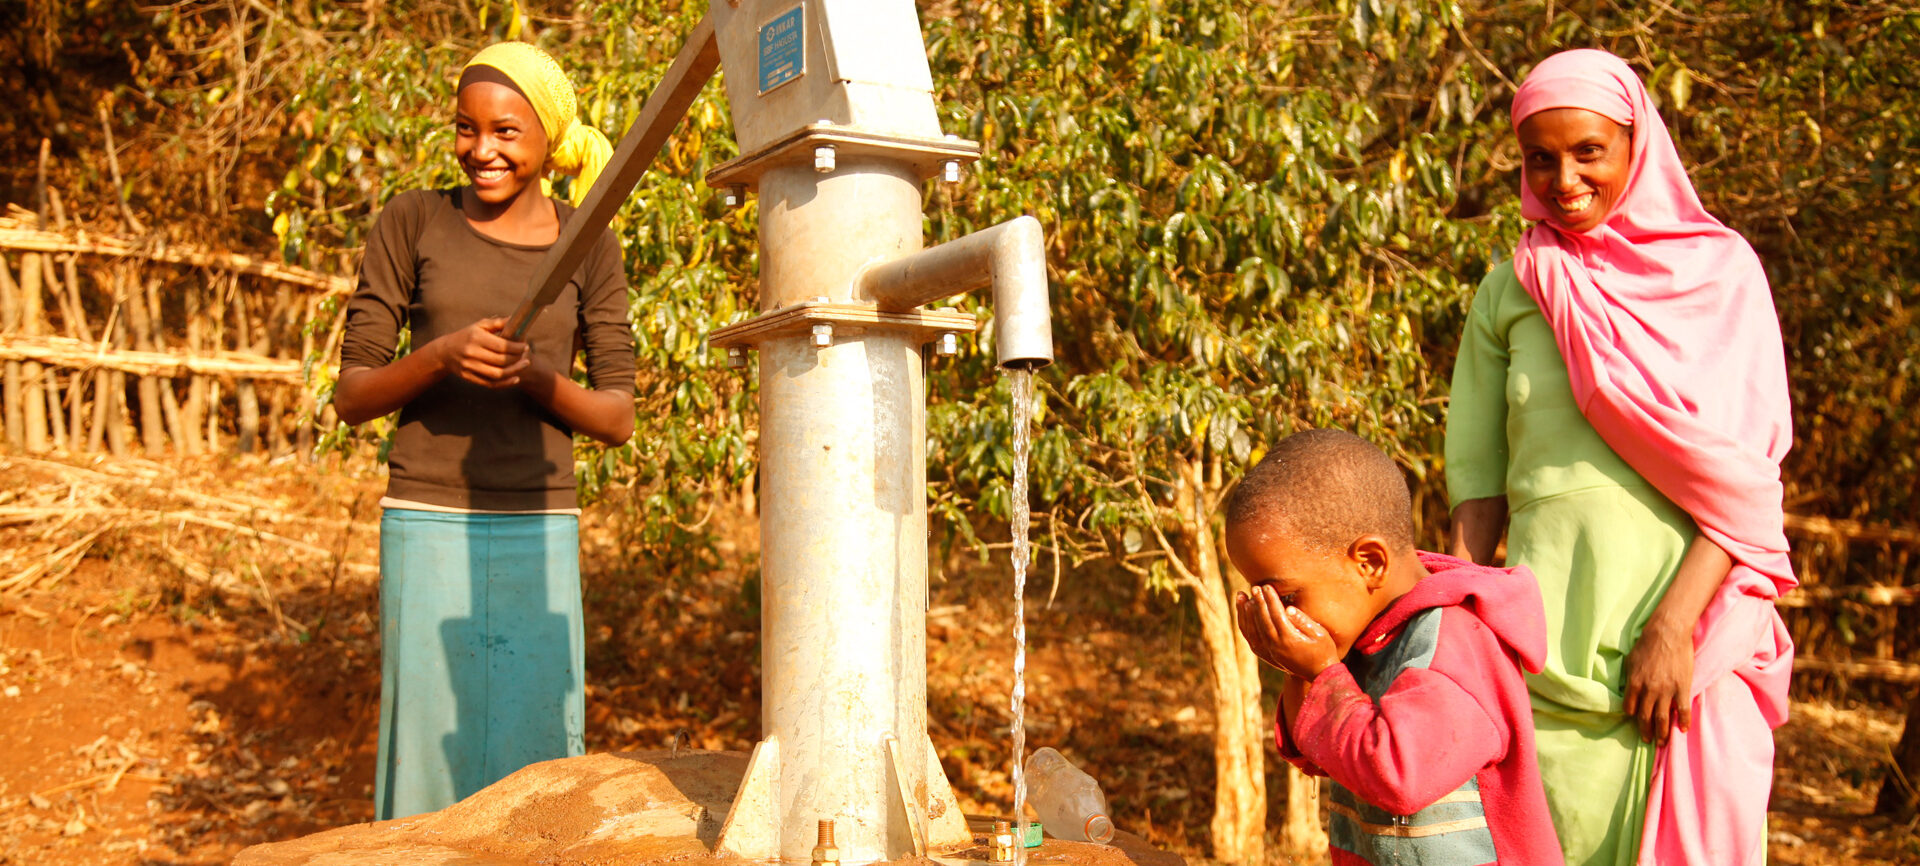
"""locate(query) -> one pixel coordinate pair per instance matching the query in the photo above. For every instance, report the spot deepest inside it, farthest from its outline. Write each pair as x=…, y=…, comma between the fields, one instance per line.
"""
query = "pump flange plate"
x=799, y=319
x=925, y=155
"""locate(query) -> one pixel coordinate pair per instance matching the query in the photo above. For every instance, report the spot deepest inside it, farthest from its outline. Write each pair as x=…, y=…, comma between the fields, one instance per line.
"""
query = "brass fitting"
x=824, y=853
x=1000, y=848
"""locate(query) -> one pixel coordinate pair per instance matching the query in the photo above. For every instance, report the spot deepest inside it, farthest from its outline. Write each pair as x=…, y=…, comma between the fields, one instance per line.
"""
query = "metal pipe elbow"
x=1011, y=258
x=1022, y=316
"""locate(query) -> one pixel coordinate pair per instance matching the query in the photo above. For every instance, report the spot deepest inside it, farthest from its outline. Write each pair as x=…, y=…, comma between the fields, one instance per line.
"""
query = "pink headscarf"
x=1673, y=350
x=1667, y=325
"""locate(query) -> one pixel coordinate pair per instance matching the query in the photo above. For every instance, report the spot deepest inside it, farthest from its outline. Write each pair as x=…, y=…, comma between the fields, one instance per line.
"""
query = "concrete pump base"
x=625, y=808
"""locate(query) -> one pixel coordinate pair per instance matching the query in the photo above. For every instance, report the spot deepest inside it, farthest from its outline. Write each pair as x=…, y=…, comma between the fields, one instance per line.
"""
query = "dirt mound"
x=626, y=807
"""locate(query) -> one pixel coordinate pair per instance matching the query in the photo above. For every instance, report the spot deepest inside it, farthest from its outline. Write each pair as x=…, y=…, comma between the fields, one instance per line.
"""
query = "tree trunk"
x=1239, y=755
x=246, y=398
x=193, y=413
x=16, y=408
x=1242, y=729
x=1302, y=834
x=68, y=413
x=140, y=326
x=177, y=428
x=186, y=440
x=211, y=405
x=33, y=395
x=1240, y=787
x=75, y=307
x=10, y=323
x=77, y=414
x=56, y=420
x=278, y=324
x=303, y=436
x=275, y=421
x=120, y=434
x=1900, y=789
x=118, y=424
x=102, y=411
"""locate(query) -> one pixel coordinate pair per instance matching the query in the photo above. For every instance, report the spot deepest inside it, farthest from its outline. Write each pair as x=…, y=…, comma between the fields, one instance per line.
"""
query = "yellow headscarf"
x=572, y=147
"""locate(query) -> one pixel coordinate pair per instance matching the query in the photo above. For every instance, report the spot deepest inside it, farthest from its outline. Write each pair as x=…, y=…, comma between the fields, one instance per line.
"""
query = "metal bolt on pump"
x=736, y=195
x=822, y=336
x=737, y=358
x=1001, y=849
x=951, y=172
x=824, y=853
x=948, y=345
x=823, y=159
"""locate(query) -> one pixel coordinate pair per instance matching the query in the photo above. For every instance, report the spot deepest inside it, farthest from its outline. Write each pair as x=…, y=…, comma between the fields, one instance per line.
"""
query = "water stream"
x=1021, y=411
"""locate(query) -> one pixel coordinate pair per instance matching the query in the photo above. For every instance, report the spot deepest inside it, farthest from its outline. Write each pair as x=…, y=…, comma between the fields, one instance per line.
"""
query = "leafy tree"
x=1234, y=257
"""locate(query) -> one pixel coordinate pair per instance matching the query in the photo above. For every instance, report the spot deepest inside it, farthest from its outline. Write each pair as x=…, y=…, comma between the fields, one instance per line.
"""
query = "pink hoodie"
x=1426, y=729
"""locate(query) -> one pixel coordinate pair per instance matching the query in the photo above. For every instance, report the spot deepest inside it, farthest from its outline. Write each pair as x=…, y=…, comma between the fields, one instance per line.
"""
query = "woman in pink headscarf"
x=1620, y=410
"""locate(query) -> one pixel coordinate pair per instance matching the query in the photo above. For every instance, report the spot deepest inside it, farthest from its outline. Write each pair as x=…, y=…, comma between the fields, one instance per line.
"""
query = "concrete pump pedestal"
x=627, y=808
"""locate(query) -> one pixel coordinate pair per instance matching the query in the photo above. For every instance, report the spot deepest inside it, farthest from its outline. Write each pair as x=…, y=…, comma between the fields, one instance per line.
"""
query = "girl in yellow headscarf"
x=482, y=641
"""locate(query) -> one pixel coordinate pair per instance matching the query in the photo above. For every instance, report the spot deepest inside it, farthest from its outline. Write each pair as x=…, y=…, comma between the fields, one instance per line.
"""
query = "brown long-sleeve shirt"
x=460, y=445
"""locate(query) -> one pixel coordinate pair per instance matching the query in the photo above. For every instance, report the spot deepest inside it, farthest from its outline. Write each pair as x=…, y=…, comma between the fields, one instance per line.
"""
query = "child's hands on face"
x=1282, y=635
x=480, y=353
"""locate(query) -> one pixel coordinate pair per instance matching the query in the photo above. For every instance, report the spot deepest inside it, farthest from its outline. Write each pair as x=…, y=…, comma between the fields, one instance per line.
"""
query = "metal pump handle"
x=668, y=103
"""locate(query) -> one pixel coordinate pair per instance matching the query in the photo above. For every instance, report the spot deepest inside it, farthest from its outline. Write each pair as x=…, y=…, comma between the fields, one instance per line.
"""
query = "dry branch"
x=52, y=513
x=53, y=564
x=15, y=235
x=1885, y=596
x=129, y=472
x=1871, y=669
x=162, y=515
x=77, y=355
x=1851, y=530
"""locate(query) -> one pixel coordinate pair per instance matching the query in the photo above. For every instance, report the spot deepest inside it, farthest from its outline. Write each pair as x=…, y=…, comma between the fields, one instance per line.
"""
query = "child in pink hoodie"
x=1404, y=668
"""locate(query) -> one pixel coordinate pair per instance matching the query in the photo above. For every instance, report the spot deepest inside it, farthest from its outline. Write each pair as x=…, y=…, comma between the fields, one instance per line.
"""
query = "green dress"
x=1602, y=542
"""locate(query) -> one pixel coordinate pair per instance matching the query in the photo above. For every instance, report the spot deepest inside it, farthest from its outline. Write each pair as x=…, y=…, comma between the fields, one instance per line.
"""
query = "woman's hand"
x=1283, y=636
x=480, y=353
x=1660, y=682
x=1659, y=688
x=477, y=353
x=1476, y=529
x=603, y=415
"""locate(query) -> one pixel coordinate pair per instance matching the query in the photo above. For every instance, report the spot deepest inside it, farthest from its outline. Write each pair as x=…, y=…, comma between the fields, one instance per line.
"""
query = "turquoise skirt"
x=482, y=659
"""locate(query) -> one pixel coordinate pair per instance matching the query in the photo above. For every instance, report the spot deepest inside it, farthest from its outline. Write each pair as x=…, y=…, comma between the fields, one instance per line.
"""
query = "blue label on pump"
x=783, y=48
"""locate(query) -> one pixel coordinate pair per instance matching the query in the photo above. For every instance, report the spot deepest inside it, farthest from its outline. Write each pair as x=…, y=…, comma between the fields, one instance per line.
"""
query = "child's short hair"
x=1325, y=488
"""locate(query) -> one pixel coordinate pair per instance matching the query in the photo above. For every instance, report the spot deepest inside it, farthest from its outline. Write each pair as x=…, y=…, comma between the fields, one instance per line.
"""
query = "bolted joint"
x=736, y=195
x=947, y=346
x=822, y=335
x=824, y=853
x=736, y=357
x=1000, y=847
x=823, y=158
x=950, y=172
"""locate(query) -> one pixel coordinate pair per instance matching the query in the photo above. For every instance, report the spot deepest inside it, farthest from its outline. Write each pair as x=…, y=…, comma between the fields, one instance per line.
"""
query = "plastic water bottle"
x=1068, y=800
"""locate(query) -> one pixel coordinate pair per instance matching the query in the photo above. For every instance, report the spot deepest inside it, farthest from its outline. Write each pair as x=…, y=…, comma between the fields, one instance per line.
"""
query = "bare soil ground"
x=201, y=674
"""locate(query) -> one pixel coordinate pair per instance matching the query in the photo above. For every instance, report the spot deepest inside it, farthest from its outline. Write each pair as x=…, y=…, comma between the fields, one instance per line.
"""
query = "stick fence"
x=1848, y=630
x=128, y=345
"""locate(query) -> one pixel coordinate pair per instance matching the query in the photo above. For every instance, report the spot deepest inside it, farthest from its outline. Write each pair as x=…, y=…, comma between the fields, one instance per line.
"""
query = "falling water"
x=1022, y=417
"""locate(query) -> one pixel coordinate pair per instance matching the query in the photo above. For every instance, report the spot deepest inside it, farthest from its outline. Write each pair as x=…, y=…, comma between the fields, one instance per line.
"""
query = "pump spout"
x=1010, y=257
